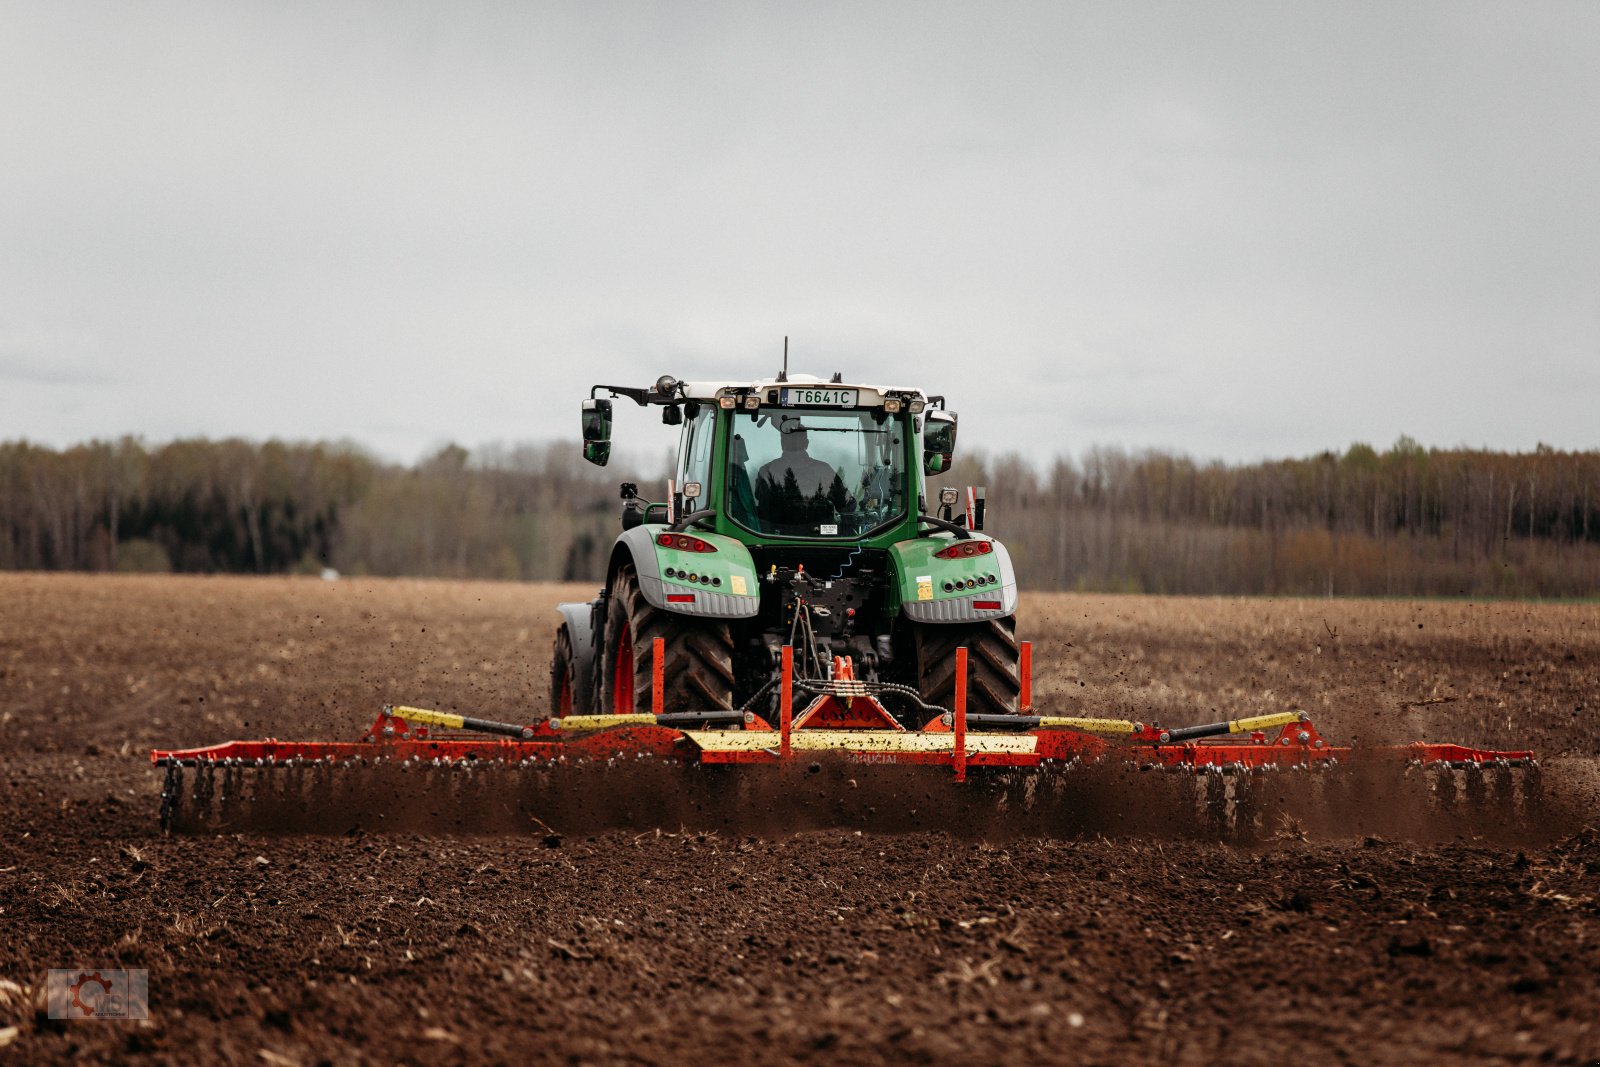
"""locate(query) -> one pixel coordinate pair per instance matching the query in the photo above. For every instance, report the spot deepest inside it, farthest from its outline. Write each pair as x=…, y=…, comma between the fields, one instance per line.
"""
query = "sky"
x=1237, y=230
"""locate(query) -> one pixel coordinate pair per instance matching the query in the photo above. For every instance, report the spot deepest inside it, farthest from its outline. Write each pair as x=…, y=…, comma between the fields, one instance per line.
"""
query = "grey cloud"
x=17, y=368
x=1239, y=228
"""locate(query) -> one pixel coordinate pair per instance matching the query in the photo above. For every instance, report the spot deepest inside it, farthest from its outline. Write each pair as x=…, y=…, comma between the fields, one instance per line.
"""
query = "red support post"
x=786, y=702
x=1025, y=668
x=961, y=714
x=658, y=677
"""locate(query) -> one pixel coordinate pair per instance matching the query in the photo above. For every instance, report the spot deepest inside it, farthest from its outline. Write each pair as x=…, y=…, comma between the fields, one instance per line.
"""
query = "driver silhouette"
x=811, y=476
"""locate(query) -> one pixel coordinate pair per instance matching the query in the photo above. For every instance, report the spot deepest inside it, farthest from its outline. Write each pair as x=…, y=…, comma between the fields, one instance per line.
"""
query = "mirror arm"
x=638, y=396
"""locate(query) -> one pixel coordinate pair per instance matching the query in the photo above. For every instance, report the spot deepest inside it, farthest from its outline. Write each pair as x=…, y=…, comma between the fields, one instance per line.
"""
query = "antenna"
x=783, y=375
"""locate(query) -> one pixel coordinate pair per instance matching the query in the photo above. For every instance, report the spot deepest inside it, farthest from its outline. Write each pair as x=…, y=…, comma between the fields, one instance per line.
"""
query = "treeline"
x=527, y=512
x=1407, y=521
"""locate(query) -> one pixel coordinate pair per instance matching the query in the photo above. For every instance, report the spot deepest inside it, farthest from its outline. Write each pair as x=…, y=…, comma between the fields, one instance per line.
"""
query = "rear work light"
x=684, y=543
x=965, y=548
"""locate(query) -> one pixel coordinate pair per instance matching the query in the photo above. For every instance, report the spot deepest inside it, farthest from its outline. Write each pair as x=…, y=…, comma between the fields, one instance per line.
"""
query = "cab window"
x=808, y=473
x=694, y=458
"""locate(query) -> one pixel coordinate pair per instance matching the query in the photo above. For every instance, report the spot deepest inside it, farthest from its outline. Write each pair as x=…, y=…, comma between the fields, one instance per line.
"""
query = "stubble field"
x=661, y=944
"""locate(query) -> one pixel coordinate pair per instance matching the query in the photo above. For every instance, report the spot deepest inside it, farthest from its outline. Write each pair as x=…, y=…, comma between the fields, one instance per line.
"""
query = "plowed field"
x=960, y=943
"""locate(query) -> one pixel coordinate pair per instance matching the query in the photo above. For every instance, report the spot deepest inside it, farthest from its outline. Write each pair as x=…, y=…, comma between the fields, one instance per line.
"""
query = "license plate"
x=817, y=398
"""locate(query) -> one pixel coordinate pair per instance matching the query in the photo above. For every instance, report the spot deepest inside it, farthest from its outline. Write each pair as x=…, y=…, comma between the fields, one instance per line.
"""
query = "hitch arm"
x=393, y=720
x=1230, y=726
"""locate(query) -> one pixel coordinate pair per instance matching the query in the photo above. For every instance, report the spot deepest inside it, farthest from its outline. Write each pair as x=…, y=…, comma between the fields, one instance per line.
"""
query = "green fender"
x=926, y=588
x=724, y=585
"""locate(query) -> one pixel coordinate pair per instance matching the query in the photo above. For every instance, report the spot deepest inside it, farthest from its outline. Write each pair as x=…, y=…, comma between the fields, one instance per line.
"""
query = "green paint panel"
x=729, y=569
x=915, y=559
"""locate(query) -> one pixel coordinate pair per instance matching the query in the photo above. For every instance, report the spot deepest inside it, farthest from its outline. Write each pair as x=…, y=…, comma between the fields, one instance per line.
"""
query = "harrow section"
x=1240, y=777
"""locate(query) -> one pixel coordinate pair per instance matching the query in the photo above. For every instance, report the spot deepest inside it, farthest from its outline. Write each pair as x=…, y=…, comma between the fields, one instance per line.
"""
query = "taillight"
x=686, y=598
x=986, y=605
x=961, y=549
x=684, y=543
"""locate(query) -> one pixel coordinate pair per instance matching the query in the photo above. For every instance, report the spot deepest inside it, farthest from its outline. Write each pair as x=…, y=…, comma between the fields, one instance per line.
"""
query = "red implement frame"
x=845, y=721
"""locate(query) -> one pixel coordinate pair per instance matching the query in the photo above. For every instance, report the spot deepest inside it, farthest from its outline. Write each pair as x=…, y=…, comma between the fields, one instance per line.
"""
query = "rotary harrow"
x=1025, y=772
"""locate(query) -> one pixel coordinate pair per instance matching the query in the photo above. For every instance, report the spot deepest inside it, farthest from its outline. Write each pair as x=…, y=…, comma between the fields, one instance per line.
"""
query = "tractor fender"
x=737, y=594
x=580, y=630
x=919, y=579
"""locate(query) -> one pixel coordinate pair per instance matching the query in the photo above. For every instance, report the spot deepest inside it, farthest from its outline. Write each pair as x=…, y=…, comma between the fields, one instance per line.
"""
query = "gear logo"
x=88, y=1007
x=98, y=993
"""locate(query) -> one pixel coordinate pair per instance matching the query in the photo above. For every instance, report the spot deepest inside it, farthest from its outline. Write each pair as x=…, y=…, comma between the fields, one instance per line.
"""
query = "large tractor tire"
x=698, y=673
x=563, y=685
x=994, y=681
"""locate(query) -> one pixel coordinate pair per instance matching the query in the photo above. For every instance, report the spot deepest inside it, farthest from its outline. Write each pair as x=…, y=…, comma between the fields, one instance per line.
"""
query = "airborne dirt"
x=957, y=939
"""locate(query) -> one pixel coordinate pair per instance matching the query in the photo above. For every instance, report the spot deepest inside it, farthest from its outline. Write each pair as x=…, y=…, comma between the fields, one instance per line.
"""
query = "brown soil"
x=955, y=940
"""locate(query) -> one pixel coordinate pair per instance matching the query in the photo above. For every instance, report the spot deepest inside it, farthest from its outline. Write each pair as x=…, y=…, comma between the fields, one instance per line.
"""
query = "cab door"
x=694, y=455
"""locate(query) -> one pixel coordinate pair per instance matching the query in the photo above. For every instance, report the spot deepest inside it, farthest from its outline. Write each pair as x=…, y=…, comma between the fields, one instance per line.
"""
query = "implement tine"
x=171, y=788
x=1445, y=788
x=232, y=786
x=204, y=789
x=1477, y=791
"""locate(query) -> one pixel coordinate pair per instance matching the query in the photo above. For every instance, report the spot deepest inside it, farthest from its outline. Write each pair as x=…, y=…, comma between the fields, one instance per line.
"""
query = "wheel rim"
x=622, y=673
x=564, y=701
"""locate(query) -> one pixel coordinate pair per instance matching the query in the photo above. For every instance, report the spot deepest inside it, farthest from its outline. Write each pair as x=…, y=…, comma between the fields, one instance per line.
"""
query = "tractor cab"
x=791, y=459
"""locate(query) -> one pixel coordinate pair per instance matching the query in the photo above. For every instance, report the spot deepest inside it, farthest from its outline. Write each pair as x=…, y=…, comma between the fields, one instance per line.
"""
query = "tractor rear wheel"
x=994, y=681
x=698, y=672
x=562, y=678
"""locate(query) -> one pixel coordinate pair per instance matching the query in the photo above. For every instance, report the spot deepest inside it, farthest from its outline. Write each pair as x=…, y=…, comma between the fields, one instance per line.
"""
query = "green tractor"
x=797, y=515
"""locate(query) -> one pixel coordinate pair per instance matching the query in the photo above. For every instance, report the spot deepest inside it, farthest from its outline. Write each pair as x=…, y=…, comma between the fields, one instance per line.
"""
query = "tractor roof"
x=668, y=390
x=874, y=393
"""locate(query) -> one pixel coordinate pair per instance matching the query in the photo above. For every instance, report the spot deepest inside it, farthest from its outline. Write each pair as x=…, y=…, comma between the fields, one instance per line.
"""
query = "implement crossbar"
x=671, y=718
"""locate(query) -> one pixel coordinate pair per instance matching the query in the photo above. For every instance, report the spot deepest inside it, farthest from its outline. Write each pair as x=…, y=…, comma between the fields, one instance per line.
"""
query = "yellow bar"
x=600, y=722
x=432, y=718
x=858, y=741
x=1263, y=722
x=1088, y=726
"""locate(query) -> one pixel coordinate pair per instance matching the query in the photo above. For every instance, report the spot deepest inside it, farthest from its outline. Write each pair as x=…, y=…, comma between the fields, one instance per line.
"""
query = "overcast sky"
x=1239, y=230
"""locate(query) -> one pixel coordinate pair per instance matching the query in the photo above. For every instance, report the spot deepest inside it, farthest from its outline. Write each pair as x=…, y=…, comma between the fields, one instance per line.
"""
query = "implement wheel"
x=994, y=684
x=698, y=674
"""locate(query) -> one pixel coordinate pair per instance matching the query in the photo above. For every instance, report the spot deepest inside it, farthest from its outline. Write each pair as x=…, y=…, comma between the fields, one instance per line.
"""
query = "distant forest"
x=1406, y=521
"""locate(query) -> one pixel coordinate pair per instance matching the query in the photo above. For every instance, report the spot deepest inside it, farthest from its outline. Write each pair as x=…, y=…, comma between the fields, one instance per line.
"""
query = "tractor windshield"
x=799, y=472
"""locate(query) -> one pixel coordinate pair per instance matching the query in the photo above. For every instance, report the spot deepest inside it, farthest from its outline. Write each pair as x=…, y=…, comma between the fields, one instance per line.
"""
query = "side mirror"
x=938, y=441
x=597, y=431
